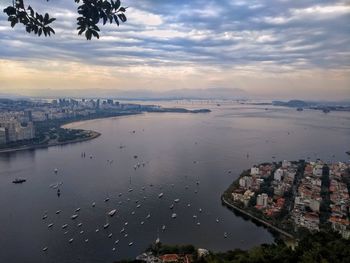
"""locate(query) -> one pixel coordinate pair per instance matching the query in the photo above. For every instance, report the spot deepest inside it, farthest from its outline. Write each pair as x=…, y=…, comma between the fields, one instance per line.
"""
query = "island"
x=30, y=124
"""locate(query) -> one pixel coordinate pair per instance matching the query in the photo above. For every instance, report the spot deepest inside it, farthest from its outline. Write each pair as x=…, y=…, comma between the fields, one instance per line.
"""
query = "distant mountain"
x=143, y=94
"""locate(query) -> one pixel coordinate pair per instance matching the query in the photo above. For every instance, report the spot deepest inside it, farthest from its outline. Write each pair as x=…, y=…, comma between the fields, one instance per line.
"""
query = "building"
x=2, y=136
x=261, y=200
x=278, y=174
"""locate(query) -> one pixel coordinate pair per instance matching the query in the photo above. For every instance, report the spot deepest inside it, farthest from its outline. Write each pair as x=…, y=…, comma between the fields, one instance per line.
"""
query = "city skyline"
x=268, y=50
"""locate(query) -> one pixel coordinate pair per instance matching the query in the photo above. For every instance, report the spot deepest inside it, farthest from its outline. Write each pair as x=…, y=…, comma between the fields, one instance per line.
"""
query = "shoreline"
x=92, y=135
x=256, y=220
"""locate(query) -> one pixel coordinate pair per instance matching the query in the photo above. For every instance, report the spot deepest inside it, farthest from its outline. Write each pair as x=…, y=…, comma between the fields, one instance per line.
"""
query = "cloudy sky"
x=270, y=49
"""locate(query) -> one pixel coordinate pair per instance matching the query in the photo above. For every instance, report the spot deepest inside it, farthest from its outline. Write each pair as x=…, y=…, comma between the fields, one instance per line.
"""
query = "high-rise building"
x=2, y=136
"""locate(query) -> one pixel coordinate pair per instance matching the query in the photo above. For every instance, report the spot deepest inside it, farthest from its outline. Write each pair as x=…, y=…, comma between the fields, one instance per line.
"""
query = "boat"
x=148, y=216
x=142, y=222
x=163, y=227
x=200, y=210
x=71, y=240
x=194, y=216
x=116, y=242
x=225, y=235
x=77, y=210
x=112, y=212
x=106, y=225
x=121, y=231
x=64, y=226
x=97, y=230
x=86, y=240
x=19, y=180
x=126, y=235
x=171, y=206
x=44, y=217
x=66, y=232
x=198, y=223
x=130, y=190
x=133, y=212
x=74, y=216
x=50, y=225
x=107, y=199
x=138, y=206
x=110, y=235
x=126, y=223
x=130, y=244
x=55, y=170
x=80, y=225
x=58, y=211
x=45, y=248
x=217, y=220
x=177, y=200
x=113, y=249
x=81, y=232
x=188, y=205
x=93, y=204
x=173, y=215
x=160, y=195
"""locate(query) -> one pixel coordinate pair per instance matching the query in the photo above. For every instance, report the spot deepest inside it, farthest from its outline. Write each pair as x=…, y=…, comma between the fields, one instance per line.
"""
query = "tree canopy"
x=90, y=14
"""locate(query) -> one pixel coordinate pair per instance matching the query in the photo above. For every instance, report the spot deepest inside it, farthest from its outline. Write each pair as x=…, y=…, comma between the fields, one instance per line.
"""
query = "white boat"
x=106, y=225
x=80, y=224
x=198, y=224
x=44, y=217
x=74, y=216
x=194, y=216
x=188, y=205
x=138, y=206
x=50, y=225
x=86, y=240
x=133, y=212
x=148, y=216
x=126, y=235
x=82, y=232
x=112, y=212
x=116, y=242
x=171, y=206
x=173, y=215
x=93, y=204
x=45, y=248
x=97, y=230
x=113, y=249
x=142, y=222
x=71, y=240
x=130, y=190
x=121, y=231
x=110, y=235
x=160, y=195
x=58, y=211
x=55, y=170
x=64, y=226
x=217, y=220
x=107, y=199
x=200, y=210
x=77, y=210
x=126, y=223
x=177, y=200
x=163, y=227
x=131, y=243
x=225, y=235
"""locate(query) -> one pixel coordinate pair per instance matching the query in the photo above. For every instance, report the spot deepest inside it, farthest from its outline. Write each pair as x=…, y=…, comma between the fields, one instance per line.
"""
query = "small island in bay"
x=29, y=124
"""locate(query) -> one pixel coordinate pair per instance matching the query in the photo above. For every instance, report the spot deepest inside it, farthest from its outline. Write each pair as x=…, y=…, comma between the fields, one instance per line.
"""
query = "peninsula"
x=291, y=198
x=29, y=124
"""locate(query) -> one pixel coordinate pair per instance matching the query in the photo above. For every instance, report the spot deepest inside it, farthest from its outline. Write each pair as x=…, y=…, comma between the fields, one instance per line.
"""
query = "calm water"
x=178, y=150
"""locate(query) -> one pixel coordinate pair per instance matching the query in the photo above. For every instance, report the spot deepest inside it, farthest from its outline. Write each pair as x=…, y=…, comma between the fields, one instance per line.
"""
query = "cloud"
x=194, y=37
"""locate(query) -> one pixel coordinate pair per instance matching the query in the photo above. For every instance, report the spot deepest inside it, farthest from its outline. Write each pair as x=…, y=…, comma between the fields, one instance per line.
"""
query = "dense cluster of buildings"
x=339, y=197
x=306, y=211
x=271, y=185
x=18, y=117
x=16, y=127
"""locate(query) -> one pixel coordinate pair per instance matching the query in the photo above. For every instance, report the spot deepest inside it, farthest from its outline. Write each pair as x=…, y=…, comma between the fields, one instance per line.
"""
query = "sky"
x=267, y=49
